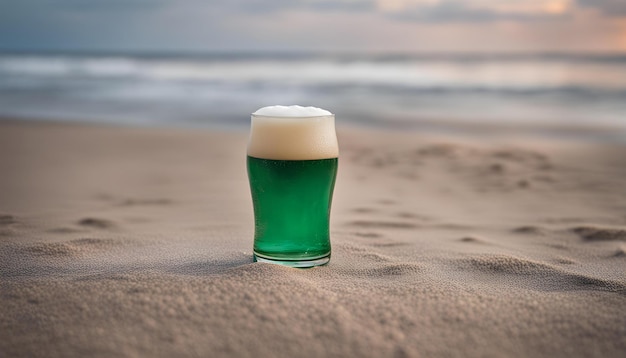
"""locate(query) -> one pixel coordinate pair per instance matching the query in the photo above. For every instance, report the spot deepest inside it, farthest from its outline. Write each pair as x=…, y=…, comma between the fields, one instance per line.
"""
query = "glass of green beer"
x=292, y=166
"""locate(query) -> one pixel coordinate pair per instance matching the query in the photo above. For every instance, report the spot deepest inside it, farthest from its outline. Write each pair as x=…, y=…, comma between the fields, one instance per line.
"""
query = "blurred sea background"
x=554, y=67
x=381, y=90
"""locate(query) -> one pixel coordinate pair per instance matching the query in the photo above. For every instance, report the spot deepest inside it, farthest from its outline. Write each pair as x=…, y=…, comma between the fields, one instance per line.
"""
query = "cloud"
x=408, y=10
x=427, y=11
x=206, y=25
x=266, y=6
x=416, y=10
x=58, y=24
x=474, y=11
x=607, y=7
x=85, y=5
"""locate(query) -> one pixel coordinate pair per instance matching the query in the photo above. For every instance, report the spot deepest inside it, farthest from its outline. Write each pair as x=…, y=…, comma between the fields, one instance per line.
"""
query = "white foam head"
x=293, y=133
x=291, y=111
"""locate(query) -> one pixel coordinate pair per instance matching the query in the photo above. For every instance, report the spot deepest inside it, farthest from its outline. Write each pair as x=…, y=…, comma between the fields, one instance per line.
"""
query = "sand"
x=138, y=243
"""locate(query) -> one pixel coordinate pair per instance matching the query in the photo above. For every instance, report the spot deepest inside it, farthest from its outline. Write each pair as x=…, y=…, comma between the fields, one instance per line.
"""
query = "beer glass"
x=292, y=166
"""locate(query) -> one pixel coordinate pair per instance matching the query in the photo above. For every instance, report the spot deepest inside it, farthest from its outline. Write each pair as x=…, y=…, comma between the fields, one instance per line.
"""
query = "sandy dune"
x=137, y=242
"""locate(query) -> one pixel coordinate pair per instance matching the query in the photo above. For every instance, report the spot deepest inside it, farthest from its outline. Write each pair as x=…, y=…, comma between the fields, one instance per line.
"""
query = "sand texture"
x=120, y=242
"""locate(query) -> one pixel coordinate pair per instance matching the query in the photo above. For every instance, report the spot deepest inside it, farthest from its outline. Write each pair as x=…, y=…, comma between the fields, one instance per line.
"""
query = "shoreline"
x=609, y=134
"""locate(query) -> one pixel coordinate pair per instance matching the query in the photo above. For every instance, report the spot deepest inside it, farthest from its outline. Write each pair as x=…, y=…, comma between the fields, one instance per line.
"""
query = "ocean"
x=405, y=91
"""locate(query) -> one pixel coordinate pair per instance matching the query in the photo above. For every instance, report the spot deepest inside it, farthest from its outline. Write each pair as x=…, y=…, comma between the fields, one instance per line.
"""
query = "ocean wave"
x=171, y=89
x=490, y=75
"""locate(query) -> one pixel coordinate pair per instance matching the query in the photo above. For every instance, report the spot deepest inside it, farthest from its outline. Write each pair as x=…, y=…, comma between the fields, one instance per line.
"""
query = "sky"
x=413, y=26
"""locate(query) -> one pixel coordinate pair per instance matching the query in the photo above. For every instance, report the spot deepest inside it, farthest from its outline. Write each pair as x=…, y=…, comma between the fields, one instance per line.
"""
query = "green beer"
x=292, y=166
x=292, y=201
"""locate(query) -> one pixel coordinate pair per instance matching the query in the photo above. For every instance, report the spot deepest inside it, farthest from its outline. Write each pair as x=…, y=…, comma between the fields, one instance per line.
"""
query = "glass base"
x=318, y=261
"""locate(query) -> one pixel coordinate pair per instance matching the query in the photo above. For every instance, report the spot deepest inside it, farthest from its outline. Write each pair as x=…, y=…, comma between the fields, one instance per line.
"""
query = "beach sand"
x=133, y=242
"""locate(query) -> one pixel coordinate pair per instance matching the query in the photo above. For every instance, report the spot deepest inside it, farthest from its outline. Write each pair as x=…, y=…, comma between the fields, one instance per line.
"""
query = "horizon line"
x=303, y=53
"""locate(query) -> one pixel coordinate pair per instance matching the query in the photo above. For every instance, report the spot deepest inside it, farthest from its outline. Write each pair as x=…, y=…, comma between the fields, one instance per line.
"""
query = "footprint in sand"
x=73, y=247
x=385, y=270
x=368, y=235
x=497, y=168
x=394, y=270
x=5, y=225
x=56, y=249
x=388, y=243
x=412, y=215
x=379, y=224
x=473, y=239
x=530, y=230
x=375, y=237
x=63, y=230
x=441, y=150
x=96, y=223
x=146, y=202
x=565, y=261
x=377, y=240
x=452, y=226
x=620, y=252
x=6, y=220
x=558, y=246
x=507, y=170
x=535, y=159
x=563, y=220
x=504, y=264
x=537, y=274
x=364, y=210
x=596, y=233
x=202, y=268
x=376, y=257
